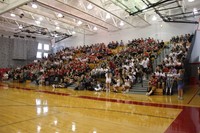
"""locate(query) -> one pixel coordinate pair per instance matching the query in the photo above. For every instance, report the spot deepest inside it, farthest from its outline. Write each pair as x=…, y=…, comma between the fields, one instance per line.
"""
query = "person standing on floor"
x=180, y=84
x=108, y=81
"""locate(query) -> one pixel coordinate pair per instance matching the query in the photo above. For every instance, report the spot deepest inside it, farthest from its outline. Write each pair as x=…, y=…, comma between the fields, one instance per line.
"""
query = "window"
x=46, y=46
x=40, y=46
x=45, y=54
x=39, y=55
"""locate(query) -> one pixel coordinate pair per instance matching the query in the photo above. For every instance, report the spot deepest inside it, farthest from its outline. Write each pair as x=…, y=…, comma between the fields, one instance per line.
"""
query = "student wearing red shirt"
x=152, y=85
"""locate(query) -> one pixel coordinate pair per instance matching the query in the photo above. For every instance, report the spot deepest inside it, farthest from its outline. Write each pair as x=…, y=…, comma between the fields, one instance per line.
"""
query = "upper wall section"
x=195, y=55
x=160, y=30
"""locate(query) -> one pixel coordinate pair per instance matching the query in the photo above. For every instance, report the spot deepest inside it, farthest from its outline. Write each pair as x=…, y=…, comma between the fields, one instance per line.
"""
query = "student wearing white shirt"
x=5, y=76
x=169, y=82
x=108, y=81
x=98, y=87
x=157, y=73
x=118, y=84
x=126, y=87
x=166, y=58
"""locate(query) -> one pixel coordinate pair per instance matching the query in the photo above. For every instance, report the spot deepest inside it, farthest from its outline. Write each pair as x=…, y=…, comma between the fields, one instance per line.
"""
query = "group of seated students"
x=64, y=63
x=168, y=72
x=131, y=64
x=120, y=71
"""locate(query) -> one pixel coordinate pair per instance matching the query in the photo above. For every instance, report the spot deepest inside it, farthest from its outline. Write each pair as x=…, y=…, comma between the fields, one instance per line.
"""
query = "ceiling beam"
x=180, y=7
x=29, y=21
x=54, y=7
x=154, y=7
x=130, y=10
x=111, y=13
x=44, y=14
x=167, y=4
x=169, y=8
x=184, y=17
x=14, y=5
x=174, y=15
x=151, y=6
x=89, y=14
x=178, y=21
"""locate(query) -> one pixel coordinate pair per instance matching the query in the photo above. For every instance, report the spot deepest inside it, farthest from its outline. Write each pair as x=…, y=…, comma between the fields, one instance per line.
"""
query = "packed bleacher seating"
x=86, y=66
x=167, y=72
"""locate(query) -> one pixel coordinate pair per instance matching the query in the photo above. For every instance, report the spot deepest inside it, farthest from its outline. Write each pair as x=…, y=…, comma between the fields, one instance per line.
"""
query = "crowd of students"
x=169, y=73
x=131, y=64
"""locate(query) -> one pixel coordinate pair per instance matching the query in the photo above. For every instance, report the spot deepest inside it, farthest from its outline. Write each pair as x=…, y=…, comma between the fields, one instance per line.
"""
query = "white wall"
x=195, y=56
x=165, y=33
x=7, y=49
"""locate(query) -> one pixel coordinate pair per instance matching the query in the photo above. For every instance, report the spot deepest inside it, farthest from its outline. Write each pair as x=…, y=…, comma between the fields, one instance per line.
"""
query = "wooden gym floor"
x=26, y=108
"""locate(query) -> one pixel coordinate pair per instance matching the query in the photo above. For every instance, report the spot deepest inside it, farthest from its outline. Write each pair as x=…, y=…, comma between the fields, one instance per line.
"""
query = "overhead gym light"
x=40, y=18
x=59, y=15
x=95, y=28
x=56, y=23
x=195, y=11
x=20, y=27
x=37, y=22
x=154, y=18
x=79, y=22
x=12, y=15
x=121, y=23
x=191, y=0
x=89, y=6
x=73, y=32
x=34, y=5
x=57, y=27
x=107, y=16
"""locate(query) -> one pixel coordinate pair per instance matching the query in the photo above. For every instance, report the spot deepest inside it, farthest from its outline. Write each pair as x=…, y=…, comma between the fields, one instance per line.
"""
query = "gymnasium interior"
x=99, y=66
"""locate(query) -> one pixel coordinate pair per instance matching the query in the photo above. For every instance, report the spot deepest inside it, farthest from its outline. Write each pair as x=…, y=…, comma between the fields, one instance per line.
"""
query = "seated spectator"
x=67, y=82
x=98, y=86
x=127, y=86
x=118, y=84
x=5, y=76
x=152, y=85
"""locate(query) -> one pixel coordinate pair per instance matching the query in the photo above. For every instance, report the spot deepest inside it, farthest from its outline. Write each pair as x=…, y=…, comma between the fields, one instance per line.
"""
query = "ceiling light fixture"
x=34, y=6
x=12, y=15
x=195, y=11
x=20, y=27
x=57, y=27
x=95, y=28
x=41, y=18
x=60, y=15
x=154, y=18
x=56, y=35
x=37, y=22
x=73, y=32
x=79, y=22
x=191, y=0
x=56, y=23
x=107, y=16
x=89, y=6
x=121, y=23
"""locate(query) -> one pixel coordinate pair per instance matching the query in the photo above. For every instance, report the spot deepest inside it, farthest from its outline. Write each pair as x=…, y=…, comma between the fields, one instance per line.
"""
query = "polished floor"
x=26, y=108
